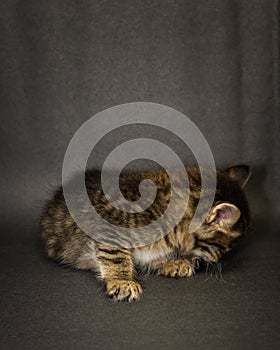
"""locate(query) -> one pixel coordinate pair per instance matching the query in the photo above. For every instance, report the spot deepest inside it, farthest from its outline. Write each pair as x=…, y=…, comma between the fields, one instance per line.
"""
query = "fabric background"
x=62, y=62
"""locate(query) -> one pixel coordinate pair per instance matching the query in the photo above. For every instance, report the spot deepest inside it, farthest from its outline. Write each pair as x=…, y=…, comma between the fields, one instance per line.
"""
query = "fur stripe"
x=111, y=252
x=167, y=241
x=217, y=245
x=114, y=260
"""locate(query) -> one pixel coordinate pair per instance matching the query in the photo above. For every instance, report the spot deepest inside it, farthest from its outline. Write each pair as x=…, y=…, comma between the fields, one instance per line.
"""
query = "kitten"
x=176, y=254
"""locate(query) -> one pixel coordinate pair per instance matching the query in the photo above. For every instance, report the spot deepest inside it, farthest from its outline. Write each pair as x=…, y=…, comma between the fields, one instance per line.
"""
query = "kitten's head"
x=228, y=219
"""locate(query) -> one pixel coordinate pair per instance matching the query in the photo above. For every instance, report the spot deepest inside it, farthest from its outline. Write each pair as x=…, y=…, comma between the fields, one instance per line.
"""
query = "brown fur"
x=177, y=254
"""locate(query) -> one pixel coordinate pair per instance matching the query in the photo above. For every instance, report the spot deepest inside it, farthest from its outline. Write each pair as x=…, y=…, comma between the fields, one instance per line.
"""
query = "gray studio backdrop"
x=64, y=61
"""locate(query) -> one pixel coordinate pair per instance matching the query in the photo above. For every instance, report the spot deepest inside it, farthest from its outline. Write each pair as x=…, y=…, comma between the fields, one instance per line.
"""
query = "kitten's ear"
x=224, y=214
x=239, y=173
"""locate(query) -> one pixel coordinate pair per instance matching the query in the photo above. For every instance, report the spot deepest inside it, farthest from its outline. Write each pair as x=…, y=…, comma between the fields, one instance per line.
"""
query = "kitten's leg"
x=116, y=269
x=178, y=268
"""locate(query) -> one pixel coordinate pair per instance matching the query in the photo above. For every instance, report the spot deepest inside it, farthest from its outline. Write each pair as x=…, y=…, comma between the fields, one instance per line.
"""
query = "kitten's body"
x=176, y=254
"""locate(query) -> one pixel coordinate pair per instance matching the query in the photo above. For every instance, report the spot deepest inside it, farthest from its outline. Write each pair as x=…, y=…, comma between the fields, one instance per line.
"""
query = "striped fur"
x=176, y=254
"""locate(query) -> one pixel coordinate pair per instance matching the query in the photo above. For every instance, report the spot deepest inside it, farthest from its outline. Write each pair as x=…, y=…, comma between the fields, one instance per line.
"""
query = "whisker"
x=208, y=271
x=214, y=269
x=219, y=275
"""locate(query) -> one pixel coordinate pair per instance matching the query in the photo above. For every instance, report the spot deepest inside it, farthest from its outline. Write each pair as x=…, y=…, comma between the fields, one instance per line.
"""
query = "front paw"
x=177, y=268
x=123, y=290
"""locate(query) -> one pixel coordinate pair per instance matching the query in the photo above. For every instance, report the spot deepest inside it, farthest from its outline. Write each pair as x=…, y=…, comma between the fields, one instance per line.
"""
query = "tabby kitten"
x=176, y=254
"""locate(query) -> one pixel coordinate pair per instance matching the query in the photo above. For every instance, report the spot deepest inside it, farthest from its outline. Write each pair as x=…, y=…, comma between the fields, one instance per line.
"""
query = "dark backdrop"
x=62, y=62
